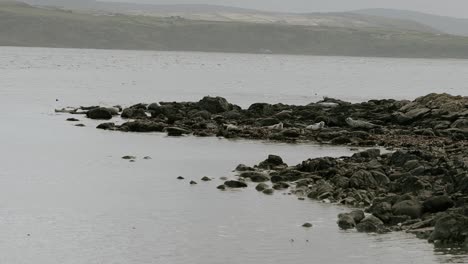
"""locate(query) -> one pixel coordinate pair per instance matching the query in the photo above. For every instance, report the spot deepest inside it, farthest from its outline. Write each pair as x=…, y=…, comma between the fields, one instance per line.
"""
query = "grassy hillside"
x=22, y=25
x=449, y=25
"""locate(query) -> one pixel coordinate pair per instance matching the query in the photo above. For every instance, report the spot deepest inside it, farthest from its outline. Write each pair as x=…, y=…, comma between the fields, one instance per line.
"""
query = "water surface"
x=66, y=196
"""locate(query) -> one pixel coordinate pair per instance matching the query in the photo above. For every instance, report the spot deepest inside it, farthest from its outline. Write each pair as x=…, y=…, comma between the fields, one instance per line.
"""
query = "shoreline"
x=420, y=188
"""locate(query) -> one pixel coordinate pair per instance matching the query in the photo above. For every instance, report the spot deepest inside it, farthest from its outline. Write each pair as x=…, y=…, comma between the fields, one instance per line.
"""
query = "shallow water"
x=66, y=196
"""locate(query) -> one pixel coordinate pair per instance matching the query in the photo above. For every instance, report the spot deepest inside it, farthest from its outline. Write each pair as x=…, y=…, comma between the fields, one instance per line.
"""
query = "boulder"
x=99, y=113
x=255, y=176
x=268, y=191
x=133, y=113
x=176, y=131
x=261, y=187
x=438, y=204
x=410, y=208
x=235, y=184
x=371, y=224
x=346, y=221
x=214, y=105
x=451, y=228
x=142, y=126
x=106, y=126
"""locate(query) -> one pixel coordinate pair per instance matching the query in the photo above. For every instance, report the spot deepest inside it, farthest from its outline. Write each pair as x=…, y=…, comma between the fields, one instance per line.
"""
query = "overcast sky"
x=457, y=8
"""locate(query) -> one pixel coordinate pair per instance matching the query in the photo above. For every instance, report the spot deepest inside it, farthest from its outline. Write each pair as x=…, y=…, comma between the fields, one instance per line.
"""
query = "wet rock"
x=133, y=113
x=261, y=187
x=235, y=184
x=72, y=119
x=451, y=228
x=280, y=186
x=346, y=221
x=214, y=105
x=106, y=126
x=129, y=157
x=438, y=204
x=176, y=131
x=382, y=210
x=255, y=176
x=154, y=106
x=307, y=225
x=180, y=178
x=193, y=182
x=268, y=191
x=371, y=224
x=142, y=126
x=410, y=208
x=205, y=178
x=79, y=125
x=242, y=167
x=272, y=162
x=221, y=187
x=99, y=113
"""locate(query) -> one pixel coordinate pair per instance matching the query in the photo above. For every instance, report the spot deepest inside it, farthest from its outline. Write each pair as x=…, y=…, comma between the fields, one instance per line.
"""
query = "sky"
x=457, y=8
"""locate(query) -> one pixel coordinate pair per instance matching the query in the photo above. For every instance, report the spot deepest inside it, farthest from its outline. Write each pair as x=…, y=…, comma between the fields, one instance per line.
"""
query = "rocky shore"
x=420, y=186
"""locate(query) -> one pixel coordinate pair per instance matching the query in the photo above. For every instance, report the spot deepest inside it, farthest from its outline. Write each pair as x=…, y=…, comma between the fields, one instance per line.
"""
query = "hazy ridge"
x=23, y=25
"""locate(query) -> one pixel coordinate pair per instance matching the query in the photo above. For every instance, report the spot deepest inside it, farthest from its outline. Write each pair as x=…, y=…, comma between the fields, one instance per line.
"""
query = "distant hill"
x=24, y=25
x=233, y=14
x=449, y=25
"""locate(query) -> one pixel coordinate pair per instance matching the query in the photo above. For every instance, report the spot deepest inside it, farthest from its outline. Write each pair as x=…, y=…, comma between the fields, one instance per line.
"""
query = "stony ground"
x=420, y=187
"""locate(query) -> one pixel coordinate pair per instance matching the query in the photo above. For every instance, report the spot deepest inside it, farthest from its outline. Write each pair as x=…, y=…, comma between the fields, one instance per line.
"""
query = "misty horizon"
x=456, y=8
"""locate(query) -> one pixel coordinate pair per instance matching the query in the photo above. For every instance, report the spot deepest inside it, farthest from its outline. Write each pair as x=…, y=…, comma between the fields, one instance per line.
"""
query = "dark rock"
x=255, y=176
x=180, y=178
x=221, y=187
x=307, y=225
x=268, y=191
x=142, y=126
x=280, y=186
x=193, y=182
x=205, y=178
x=261, y=187
x=214, y=105
x=128, y=157
x=99, y=113
x=242, y=167
x=371, y=224
x=451, y=228
x=133, y=113
x=410, y=208
x=346, y=221
x=235, y=184
x=106, y=126
x=72, y=119
x=438, y=204
x=176, y=131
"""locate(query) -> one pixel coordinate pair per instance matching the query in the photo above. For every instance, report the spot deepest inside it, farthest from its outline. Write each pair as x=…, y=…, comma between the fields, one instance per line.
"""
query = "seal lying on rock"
x=278, y=126
x=317, y=126
x=359, y=124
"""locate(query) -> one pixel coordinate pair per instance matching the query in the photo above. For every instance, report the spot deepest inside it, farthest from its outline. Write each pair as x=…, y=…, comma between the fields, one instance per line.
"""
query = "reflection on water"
x=66, y=196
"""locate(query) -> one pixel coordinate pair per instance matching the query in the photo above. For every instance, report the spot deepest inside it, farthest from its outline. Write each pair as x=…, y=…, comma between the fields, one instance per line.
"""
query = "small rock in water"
x=223, y=178
x=268, y=191
x=180, y=178
x=307, y=225
x=193, y=182
x=235, y=184
x=72, y=119
x=147, y=158
x=261, y=187
x=301, y=198
x=80, y=125
x=132, y=160
x=128, y=157
x=205, y=179
x=221, y=187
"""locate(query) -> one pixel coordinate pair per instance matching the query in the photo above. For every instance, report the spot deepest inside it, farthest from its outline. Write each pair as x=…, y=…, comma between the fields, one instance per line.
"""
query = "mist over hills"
x=251, y=31
x=449, y=25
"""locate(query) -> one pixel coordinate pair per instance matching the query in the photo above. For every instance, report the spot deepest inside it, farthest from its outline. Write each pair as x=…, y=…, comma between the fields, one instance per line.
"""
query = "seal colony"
x=420, y=187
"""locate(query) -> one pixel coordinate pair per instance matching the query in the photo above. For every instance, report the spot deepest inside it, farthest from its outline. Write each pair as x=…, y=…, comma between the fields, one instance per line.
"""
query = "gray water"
x=66, y=196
